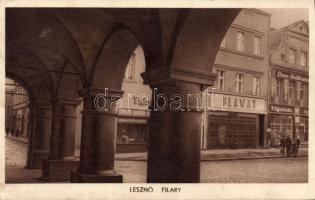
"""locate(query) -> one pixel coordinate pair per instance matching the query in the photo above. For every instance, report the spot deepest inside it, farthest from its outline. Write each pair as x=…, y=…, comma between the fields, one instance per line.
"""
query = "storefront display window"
x=281, y=124
x=304, y=128
x=132, y=132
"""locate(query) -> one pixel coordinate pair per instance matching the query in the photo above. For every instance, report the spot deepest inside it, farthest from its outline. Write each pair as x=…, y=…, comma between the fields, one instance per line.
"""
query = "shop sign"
x=234, y=103
x=294, y=77
x=278, y=108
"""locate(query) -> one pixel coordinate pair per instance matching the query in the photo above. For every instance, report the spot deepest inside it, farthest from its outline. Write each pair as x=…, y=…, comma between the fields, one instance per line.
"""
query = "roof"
x=290, y=26
x=276, y=36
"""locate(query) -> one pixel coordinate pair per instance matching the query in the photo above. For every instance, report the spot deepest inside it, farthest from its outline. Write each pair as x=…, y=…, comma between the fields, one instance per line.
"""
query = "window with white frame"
x=256, y=85
x=257, y=45
x=221, y=77
x=240, y=41
x=285, y=90
x=303, y=94
x=303, y=58
x=297, y=92
x=292, y=56
x=130, y=71
x=239, y=82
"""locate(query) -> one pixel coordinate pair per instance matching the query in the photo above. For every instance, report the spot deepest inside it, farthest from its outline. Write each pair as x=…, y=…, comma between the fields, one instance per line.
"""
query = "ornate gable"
x=300, y=27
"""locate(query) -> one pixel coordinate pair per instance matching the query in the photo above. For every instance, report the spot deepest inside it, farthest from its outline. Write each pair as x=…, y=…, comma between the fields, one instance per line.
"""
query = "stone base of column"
x=95, y=178
x=59, y=170
x=37, y=159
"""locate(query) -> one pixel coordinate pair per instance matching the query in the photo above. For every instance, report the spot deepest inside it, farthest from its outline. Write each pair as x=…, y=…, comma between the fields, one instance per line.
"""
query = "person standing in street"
x=295, y=145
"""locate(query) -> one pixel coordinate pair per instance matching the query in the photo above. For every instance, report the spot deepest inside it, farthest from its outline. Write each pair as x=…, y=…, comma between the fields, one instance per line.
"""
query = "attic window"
x=301, y=28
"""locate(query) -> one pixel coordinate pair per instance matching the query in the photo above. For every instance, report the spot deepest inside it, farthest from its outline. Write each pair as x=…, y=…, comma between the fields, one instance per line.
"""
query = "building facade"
x=17, y=111
x=288, y=91
x=133, y=115
x=235, y=113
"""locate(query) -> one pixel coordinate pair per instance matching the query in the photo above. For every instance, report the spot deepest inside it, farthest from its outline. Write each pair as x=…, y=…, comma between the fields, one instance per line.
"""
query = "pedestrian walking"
x=295, y=145
x=288, y=144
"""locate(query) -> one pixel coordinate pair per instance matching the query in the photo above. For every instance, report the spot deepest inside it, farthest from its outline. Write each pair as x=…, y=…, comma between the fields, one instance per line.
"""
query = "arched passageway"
x=29, y=119
x=87, y=50
x=17, y=123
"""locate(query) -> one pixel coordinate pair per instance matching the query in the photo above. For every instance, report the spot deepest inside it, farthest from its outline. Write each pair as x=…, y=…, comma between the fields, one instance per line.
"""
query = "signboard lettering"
x=285, y=109
x=294, y=77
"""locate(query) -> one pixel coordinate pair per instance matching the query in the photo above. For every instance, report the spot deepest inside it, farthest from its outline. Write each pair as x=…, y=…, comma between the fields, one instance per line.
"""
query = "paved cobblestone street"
x=15, y=153
x=273, y=170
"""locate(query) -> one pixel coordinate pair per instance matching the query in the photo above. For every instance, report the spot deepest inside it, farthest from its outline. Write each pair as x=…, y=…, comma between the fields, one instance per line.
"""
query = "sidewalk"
x=20, y=138
x=221, y=154
x=208, y=155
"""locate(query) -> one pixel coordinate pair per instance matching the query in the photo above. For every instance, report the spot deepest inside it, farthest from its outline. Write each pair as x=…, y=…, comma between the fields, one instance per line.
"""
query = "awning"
x=132, y=120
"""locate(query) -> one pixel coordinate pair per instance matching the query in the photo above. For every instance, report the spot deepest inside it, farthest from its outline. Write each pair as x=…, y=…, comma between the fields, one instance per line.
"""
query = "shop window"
x=130, y=71
x=256, y=85
x=239, y=82
x=281, y=124
x=132, y=132
x=303, y=58
x=221, y=78
x=257, y=45
x=240, y=41
x=292, y=56
x=304, y=127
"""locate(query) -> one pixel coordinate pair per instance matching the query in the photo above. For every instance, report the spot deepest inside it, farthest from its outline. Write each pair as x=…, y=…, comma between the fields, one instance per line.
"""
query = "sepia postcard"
x=192, y=99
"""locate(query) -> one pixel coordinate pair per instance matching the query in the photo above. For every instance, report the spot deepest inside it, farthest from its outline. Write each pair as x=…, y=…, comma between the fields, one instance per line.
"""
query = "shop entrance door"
x=261, y=130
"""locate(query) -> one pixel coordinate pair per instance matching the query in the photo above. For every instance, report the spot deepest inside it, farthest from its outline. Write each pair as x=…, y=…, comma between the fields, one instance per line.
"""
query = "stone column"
x=98, y=139
x=174, y=141
x=61, y=159
x=40, y=135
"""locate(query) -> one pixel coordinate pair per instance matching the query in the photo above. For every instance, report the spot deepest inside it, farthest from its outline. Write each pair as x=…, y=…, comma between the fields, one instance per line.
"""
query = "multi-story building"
x=235, y=116
x=288, y=93
x=17, y=110
x=133, y=115
x=8, y=109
